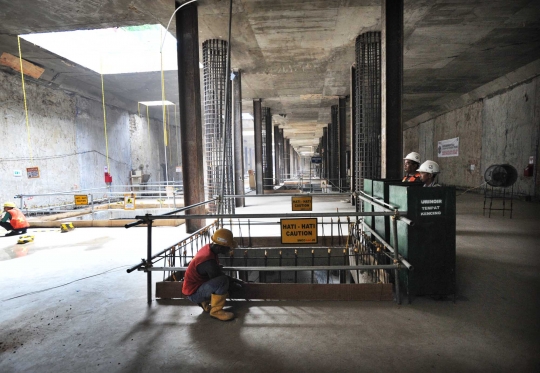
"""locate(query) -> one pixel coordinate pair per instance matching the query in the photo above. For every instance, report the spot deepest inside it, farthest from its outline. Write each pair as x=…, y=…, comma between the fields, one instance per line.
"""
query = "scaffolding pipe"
x=283, y=269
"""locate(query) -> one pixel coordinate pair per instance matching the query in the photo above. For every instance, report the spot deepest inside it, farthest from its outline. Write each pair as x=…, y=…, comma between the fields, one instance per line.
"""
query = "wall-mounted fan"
x=501, y=175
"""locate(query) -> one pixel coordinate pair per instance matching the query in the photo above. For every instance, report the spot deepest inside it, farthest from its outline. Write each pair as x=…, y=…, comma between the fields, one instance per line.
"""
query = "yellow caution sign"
x=298, y=231
x=129, y=203
x=302, y=203
x=81, y=199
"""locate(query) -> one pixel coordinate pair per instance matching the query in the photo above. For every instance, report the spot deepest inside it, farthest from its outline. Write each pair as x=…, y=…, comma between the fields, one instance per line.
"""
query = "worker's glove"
x=235, y=288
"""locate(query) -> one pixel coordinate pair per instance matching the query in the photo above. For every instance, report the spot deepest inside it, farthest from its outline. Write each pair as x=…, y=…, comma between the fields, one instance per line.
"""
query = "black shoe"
x=11, y=233
x=22, y=231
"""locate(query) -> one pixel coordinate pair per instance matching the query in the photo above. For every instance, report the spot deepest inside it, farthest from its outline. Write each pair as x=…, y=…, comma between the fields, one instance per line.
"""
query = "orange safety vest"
x=192, y=279
x=18, y=220
x=412, y=178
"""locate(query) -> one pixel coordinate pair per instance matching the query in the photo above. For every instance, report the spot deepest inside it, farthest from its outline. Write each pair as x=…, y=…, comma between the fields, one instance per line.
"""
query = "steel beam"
x=269, y=170
x=277, y=158
x=352, y=179
x=342, y=140
x=187, y=35
x=257, y=127
x=392, y=89
x=238, y=138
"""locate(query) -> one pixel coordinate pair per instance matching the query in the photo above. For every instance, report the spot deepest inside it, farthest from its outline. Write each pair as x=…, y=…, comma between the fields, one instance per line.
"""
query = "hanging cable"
x=24, y=97
x=104, y=116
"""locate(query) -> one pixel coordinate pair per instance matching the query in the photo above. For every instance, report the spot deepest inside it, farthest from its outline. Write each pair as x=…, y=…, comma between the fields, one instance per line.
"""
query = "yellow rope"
x=148, y=123
x=177, y=138
x=169, y=134
x=24, y=96
x=104, y=118
x=163, y=99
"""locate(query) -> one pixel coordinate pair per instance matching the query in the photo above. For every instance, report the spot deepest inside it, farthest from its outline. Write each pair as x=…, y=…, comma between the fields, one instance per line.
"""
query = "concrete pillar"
x=257, y=127
x=277, y=156
x=392, y=89
x=342, y=141
x=238, y=138
x=187, y=36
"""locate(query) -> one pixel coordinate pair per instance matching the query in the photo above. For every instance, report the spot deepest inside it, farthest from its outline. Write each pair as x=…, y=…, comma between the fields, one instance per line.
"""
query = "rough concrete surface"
x=102, y=323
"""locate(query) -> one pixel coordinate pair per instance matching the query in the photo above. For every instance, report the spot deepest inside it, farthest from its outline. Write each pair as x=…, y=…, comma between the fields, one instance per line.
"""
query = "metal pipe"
x=288, y=195
x=149, y=261
x=277, y=216
x=285, y=269
x=390, y=248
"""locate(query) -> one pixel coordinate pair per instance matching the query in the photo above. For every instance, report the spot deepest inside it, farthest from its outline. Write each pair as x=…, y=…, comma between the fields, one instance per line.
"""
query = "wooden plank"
x=29, y=68
x=343, y=292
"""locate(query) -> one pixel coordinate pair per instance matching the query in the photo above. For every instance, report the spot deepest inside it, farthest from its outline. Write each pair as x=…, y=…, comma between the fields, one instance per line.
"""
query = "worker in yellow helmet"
x=204, y=282
x=13, y=220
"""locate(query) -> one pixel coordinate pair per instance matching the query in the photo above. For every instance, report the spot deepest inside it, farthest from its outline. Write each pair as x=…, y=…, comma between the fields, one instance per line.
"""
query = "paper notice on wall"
x=448, y=148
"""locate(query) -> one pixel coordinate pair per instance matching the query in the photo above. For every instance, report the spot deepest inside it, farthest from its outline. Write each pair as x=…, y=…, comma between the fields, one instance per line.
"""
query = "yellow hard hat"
x=224, y=237
x=9, y=204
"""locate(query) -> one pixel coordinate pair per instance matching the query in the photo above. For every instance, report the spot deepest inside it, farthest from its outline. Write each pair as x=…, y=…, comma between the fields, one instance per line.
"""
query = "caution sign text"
x=81, y=199
x=302, y=203
x=298, y=231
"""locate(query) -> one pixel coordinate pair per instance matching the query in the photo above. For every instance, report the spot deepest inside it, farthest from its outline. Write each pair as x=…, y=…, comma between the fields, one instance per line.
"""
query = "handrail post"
x=149, y=259
x=396, y=255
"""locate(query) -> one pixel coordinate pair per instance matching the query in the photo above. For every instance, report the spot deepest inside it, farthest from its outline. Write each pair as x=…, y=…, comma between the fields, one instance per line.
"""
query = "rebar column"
x=352, y=179
x=191, y=133
x=368, y=108
x=238, y=139
x=277, y=153
x=267, y=149
x=392, y=89
x=218, y=129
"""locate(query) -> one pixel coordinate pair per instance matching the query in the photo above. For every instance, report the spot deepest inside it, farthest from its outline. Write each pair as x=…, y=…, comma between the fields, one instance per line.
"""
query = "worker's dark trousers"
x=7, y=226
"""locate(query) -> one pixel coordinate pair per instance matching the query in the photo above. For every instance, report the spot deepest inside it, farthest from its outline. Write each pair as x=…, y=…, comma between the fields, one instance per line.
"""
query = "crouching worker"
x=204, y=282
x=13, y=220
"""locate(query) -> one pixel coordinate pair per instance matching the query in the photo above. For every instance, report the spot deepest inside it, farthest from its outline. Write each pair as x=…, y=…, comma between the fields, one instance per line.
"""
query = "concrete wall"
x=67, y=143
x=495, y=130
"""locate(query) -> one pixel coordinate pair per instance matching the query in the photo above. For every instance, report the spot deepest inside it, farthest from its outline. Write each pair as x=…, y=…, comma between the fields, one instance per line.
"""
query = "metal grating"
x=368, y=108
x=219, y=163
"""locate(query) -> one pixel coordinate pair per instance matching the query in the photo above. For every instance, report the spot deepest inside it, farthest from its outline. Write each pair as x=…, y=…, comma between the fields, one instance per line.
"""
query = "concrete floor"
x=103, y=324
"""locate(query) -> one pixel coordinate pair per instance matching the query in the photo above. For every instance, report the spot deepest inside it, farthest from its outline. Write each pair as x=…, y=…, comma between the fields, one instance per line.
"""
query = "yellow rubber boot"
x=205, y=305
x=218, y=302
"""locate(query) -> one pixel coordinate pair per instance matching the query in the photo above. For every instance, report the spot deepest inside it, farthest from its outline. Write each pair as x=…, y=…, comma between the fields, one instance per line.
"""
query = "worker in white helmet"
x=411, y=163
x=428, y=173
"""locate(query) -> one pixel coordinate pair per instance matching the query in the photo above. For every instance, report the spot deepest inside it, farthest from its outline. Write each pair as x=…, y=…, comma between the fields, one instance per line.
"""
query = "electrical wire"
x=56, y=156
x=67, y=283
x=476, y=187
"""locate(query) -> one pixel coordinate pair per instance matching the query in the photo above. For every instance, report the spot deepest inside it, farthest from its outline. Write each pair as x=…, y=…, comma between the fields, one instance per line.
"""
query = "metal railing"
x=60, y=202
x=379, y=259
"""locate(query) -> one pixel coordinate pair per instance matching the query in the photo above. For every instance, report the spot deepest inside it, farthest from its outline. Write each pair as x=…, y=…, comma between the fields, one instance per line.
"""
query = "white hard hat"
x=429, y=167
x=414, y=156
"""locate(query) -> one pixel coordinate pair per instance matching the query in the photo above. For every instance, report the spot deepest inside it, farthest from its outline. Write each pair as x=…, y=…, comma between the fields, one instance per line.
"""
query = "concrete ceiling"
x=296, y=55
